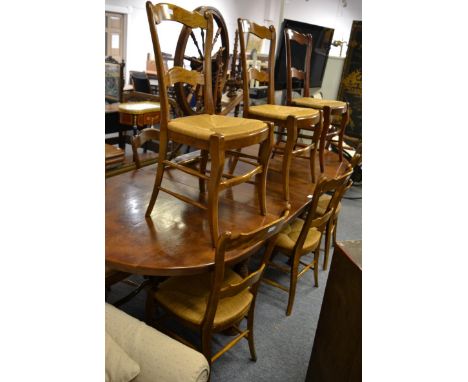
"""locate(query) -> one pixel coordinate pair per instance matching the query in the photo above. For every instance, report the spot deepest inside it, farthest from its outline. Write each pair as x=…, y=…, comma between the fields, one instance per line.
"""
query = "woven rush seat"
x=318, y=103
x=323, y=205
x=216, y=136
x=204, y=125
x=288, y=236
x=187, y=297
x=281, y=112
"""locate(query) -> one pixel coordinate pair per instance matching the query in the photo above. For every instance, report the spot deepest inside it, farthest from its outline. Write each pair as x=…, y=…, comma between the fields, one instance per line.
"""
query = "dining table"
x=175, y=238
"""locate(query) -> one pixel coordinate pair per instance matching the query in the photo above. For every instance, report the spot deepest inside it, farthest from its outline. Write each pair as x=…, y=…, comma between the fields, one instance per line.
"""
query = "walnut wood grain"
x=176, y=240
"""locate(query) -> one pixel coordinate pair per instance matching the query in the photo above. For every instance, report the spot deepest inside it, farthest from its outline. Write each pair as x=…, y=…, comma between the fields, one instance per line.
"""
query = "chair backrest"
x=140, y=82
x=335, y=188
x=291, y=72
x=145, y=135
x=114, y=74
x=227, y=242
x=169, y=12
x=246, y=28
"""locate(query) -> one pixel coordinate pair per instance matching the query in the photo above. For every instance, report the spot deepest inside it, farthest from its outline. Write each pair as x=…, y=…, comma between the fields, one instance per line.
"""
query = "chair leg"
x=159, y=172
x=292, y=284
x=261, y=179
x=217, y=166
x=344, y=123
x=290, y=143
x=250, y=338
x=328, y=235
x=206, y=344
x=233, y=162
x=203, y=162
x=313, y=153
x=323, y=137
x=316, y=261
x=315, y=140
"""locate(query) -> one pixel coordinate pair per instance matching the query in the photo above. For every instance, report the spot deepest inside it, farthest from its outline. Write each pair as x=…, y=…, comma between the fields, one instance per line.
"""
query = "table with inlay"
x=175, y=239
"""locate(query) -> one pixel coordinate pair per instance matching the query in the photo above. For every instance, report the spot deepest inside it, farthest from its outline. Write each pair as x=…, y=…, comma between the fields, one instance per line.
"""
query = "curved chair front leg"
x=293, y=283
x=159, y=172
x=323, y=137
x=217, y=155
x=291, y=131
x=264, y=153
x=344, y=123
x=250, y=327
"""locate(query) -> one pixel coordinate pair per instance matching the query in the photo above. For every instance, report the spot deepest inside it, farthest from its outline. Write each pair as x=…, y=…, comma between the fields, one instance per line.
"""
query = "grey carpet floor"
x=283, y=344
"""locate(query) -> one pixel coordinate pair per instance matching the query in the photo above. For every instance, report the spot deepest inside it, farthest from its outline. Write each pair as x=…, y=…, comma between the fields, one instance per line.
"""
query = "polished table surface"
x=175, y=239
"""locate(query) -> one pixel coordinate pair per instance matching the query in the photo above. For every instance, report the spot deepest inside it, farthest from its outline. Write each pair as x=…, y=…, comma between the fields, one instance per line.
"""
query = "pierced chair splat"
x=214, y=135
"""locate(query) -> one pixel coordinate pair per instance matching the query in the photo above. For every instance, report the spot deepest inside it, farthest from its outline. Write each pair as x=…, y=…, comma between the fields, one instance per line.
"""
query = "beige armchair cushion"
x=187, y=297
x=119, y=366
x=205, y=125
x=160, y=357
x=288, y=236
x=281, y=112
x=317, y=103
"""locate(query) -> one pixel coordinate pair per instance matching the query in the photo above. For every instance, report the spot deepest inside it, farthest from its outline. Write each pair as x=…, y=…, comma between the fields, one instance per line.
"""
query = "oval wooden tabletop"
x=175, y=239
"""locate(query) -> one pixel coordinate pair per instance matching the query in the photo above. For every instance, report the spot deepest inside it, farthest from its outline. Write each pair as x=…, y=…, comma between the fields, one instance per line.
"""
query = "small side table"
x=139, y=114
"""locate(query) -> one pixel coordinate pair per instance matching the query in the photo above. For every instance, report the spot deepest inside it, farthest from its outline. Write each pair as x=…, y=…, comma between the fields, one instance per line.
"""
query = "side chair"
x=300, y=237
x=291, y=119
x=214, y=135
x=220, y=299
x=333, y=222
x=331, y=108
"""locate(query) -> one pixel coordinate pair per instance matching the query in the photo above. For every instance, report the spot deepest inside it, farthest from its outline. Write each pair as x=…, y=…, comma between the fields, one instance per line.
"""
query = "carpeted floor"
x=283, y=344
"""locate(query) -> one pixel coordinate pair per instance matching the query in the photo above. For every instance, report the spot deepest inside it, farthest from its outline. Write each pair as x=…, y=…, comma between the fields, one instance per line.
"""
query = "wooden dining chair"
x=332, y=109
x=300, y=237
x=220, y=299
x=214, y=135
x=333, y=222
x=291, y=119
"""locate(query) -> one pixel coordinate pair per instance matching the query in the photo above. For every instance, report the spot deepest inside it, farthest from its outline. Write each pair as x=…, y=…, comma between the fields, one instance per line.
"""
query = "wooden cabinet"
x=337, y=350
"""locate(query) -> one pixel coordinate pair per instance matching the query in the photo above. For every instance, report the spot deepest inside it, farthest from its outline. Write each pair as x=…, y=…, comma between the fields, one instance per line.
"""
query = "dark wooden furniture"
x=140, y=82
x=291, y=119
x=113, y=125
x=115, y=79
x=177, y=240
x=217, y=300
x=337, y=350
x=300, y=237
x=114, y=156
x=331, y=108
x=214, y=135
